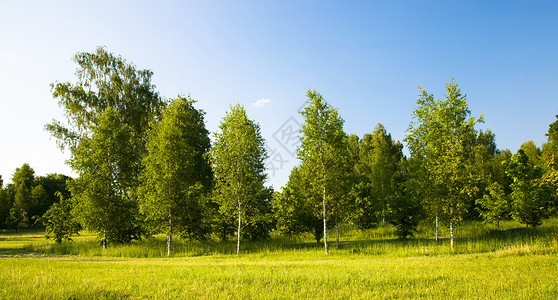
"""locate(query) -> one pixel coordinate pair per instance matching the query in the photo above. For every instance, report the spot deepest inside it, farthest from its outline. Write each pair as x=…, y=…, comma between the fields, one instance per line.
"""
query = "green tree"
x=483, y=152
x=440, y=137
x=23, y=183
x=177, y=173
x=404, y=210
x=24, y=175
x=39, y=201
x=237, y=157
x=108, y=92
x=295, y=212
x=549, y=161
x=5, y=205
x=104, y=190
x=495, y=205
x=104, y=80
x=322, y=149
x=364, y=208
x=533, y=152
x=530, y=196
x=52, y=184
x=18, y=218
x=378, y=159
x=59, y=221
x=550, y=147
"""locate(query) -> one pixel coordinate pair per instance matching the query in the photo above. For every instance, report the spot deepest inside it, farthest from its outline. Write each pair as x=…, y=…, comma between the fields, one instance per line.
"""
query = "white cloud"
x=260, y=103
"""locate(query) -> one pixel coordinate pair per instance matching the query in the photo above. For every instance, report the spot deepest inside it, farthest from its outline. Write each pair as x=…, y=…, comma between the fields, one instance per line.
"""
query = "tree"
x=483, y=153
x=295, y=212
x=533, y=152
x=110, y=93
x=59, y=221
x=23, y=183
x=530, y=196
x=495, y=205
x=177, y=172
x=5, y=205
x=404, y=209
x=440, y=137
x=550, y=148
x=52, y=184
x=104, y=80
x=237, y=157
x=18, y=217
x=322, y=149
x=378, y=159
x=549, y=162
x=103, y=191
x=363, y=207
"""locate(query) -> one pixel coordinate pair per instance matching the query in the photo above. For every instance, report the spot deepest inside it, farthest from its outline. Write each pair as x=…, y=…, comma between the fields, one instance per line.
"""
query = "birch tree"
x=103, y=191
x=237, y=158
x=110, y=95
x=177, y=174
x=323, y=145
x=441, y=136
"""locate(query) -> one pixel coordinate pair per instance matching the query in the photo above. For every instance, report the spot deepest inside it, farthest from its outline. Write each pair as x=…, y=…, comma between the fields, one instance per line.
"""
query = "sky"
x=367, y=58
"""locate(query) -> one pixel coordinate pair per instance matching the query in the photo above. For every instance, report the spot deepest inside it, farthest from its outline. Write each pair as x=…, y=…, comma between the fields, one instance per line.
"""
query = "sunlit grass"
x=471, y=237
x=486, y=263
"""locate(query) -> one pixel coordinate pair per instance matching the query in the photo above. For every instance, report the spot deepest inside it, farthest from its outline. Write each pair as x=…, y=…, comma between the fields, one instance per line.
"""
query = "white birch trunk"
x=169, y=236
x=104, y=239
x=451, y=234
x=451, y=225
x=325, y=220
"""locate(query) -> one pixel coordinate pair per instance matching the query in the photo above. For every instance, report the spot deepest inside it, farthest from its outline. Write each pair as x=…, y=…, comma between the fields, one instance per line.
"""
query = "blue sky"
x=365, y=57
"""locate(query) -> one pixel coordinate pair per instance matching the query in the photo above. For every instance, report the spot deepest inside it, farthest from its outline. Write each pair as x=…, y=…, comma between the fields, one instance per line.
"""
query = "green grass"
x=486, y=263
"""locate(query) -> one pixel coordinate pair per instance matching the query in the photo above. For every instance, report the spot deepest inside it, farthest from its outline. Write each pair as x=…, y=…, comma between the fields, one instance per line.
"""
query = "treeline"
x=454, y=173
x=24, y=201
x=146, y=165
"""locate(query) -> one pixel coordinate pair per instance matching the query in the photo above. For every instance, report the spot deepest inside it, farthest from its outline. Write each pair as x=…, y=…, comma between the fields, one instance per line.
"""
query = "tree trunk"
x=169, y=235
x=451, y=226
x=437, y=226
x=383, y=205
x=527, y=228
x=238, y=231
x=451, y=234
x=325, y=219
x=337, y=226
x=104, y=239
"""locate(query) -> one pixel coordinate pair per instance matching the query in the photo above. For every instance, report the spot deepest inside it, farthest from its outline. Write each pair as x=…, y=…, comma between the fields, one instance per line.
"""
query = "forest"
x=148, y=166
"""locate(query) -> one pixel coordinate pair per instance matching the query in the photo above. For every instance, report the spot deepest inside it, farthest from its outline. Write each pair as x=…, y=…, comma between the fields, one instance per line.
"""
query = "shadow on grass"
x=481, y=239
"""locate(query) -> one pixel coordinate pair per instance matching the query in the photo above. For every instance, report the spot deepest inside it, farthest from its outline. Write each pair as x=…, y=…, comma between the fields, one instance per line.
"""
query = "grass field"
x=487, y=263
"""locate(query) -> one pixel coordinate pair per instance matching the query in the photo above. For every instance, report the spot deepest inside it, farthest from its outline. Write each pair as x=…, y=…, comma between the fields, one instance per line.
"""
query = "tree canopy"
x=177, y=174
x=237, y=157
x=440, y=137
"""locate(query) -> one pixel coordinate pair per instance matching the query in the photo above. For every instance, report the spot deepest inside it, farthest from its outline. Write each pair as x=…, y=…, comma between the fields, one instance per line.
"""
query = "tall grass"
x=471, y=237
x=483, y=276
x=487, y=263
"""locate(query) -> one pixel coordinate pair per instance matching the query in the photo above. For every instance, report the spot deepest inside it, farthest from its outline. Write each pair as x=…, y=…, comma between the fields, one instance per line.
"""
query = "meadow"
x=486, y=263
